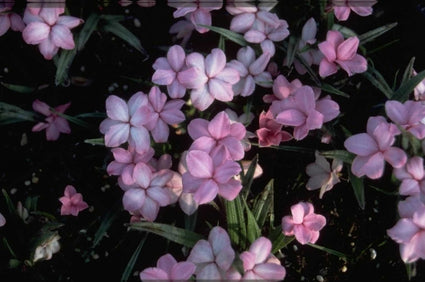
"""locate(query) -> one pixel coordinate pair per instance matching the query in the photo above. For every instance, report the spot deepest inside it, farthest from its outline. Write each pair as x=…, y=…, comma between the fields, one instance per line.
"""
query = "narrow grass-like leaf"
x=222, y=43
x=236, y=224
x=294, y=149
x=8, y=247
x=252, y=229
x=10, y=112
x=19, y=88
x=358, y=188
x=9, y=204
x=89, y=27
x=130, y=265
x=402, y=94
x=190, y=221
x=374, y=33
x=410, y=270
x=248, y=177
x=64, y=62
x=408, y=72
x=105, y=224
x=175, y=234
x=95, y=141
x=72, y=119
x=263, y=204
x=378, y=81
x=122, y=32
x=91, y=115
x=279, y=240
x=231, y=35
x=291, y=50
x=330, y=89
x=112, y=18
x=329, y=251
x=347, y=32
x=343, y=155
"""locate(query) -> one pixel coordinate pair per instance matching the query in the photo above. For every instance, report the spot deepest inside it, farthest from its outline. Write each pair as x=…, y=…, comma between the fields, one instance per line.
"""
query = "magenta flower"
x=168, y=269
x=409, y=231
x=374, y=148
x=213, y=258
x=166, y=70
x=270, y=132
x=209, y=78
x=9, y=19
x=342, y=8
x=260, y=264
x=340, y=52
x=412, y=176
x=208, y=176
x=408, y=115
x=53, y=123
x=49, y=31
x=72, y=202
x=303, y=223
x=126, y=122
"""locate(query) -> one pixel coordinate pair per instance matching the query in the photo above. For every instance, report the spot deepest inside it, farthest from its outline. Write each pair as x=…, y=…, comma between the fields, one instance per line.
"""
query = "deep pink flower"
x=303, y=223
x=260, y=264
x=342, y=8
x=72, y=202
x=374, y=148
x=412, y=176
x=53, y=123
x=49, y=31
x=340, y=52
x=270, y=132
x=9, y=19
x=168, y=269
x=408, y=115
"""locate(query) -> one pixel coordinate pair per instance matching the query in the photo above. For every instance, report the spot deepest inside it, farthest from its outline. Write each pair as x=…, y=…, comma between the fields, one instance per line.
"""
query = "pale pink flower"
x=44, y=7
x=419, y=91
x=53, y=123
x=409, y=231
x=9, y=19
x=186, y=201
x=49, y=31
x=342, y=53
x=213, y=258
x=342, y=8
x=412, y=176
x=260, y=264
x=209, y=78
x=72, y=202
x=322, y=175
x=245, y=119
x=270, y=132
x=282, y=89
x=374, y=148
x=2, y=220
x=303, y=223
x=408, y=115
x=168, y=269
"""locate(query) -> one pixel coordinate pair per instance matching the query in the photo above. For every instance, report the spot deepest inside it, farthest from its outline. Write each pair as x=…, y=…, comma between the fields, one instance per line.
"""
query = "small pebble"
x=6, y=70
x=24, y=139
x=137, y=23
x=372, y=254
x=27, y=183
x=344, y=269
x=320, y=278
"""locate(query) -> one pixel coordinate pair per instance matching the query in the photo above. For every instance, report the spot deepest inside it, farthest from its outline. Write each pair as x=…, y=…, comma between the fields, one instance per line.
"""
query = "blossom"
x=9, y=19
x=167, y=268
x=270, y=132
x=49, y=31
x=213, y=258
x=209, y=78
x=375, y=147
x=47, y=248
x=340, y=52
x=412, y=176
x=303, y=223
x=53, y=123
x=419, y=91
x=259, y=263
x=342, y=8
x=408, y=115
x=321, y=174
x=2, y=220
x=282, y=89
x=72, y=202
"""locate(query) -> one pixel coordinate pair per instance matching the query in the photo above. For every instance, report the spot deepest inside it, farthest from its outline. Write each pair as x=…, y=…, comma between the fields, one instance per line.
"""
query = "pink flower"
x=412, y=176
x=126, y=122
x=408, y=115
x=321, y=174
x=49, y=31
x=213, y=258
x=72, y=202
x=342, y=8
x=208, y=176
x=53, y=123
x=282, y=89
x=9, y=19
x=419, y=91
x=270, y=132
x=2, y=220
x=260, y=264
x=245, y=119
x=409, y=231
x=303, y=223
x=168, y=269
x=44, y=7
x=340, y=52
x=374, y=148
x=209, y=78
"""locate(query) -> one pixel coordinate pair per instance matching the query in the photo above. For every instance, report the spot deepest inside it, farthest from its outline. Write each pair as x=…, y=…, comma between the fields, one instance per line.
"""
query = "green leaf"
x=402, y=94
x=291, y=50
x=9, y=203
x=178, y=235
x=95, y=141
x=91, y=115
x=119, y=30
x=408, y=71
x=378, y=81
x=343, y=155
x=329, y=251
x=222, y=43
x=19, y=88
x=89, y=27
x=374, y=33
x=112, y=18
x=130, y=265
x=8, y=247
x=252, y=229
x=347, y=32
x=236, y=225
x=105, y=224
x=279, y=240
x=11, y=113
x=231, y=35
x=72, y=119
x=294, y=149
x=64, y=62
x=249, y=176
x=264, y=203
x=358, y=188
x=330, y=89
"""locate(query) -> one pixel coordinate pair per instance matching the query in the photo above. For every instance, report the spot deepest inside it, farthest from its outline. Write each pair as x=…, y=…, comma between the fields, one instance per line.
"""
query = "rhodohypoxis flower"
x=270, y=132
x=72, y=202
x=213, y=258
x=374, y=148
x=409, y=231
x=340, y=52
x=45, y=7
x=2, y=220
x=342, y=8
x=245, y=119
x=322, y=175
x=49, y=31
x=419, y=91
x=9, y=19
x=408, y=115
x=208, y=176
x=53, y=123
x=260, y=264
x=167, y=68
x=220, y=132
x=303, y=223
x=412, y=177
x=209, y=78
x=282, y=89
x=167, y=268
x=126, y=122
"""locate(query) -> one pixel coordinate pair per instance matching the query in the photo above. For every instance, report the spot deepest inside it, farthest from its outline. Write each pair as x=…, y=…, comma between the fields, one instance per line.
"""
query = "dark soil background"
x=107, y=61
